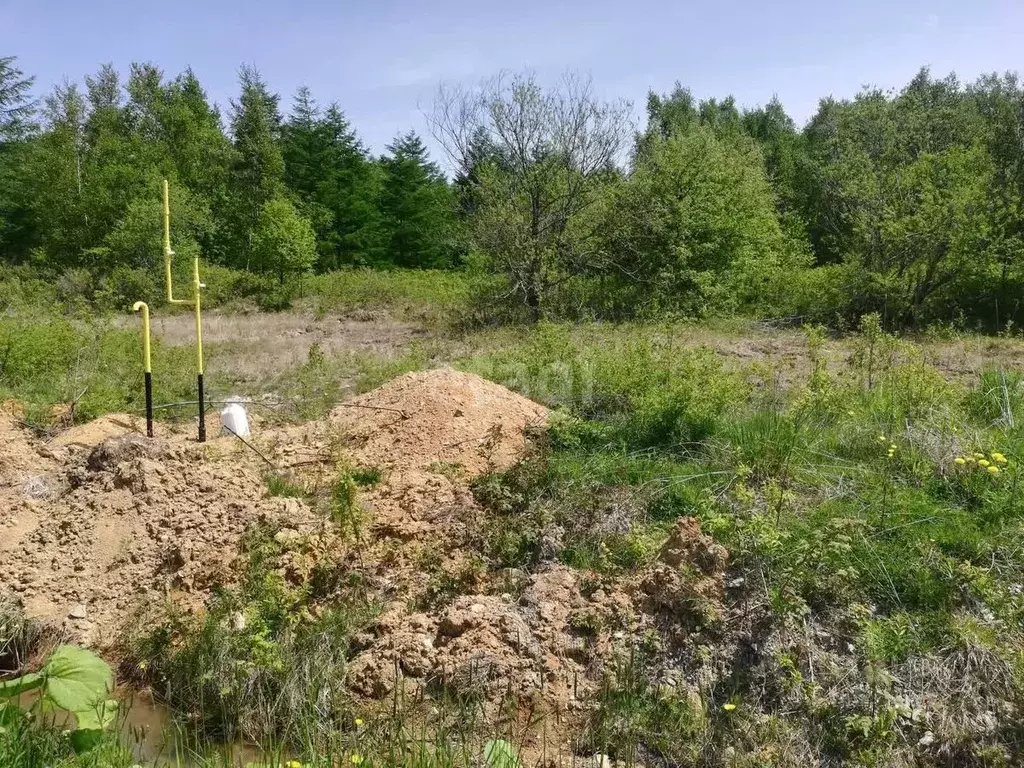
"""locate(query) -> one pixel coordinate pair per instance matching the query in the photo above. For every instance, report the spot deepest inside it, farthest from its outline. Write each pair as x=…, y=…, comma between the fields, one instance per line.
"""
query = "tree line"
x=270, y=194
x=909, y=203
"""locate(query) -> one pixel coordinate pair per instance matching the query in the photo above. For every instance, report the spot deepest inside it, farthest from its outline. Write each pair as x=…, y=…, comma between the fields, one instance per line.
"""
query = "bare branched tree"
x=535, y=162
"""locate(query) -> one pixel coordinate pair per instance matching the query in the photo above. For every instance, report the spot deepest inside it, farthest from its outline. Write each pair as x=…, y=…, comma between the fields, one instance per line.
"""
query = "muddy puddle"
x=157, y=739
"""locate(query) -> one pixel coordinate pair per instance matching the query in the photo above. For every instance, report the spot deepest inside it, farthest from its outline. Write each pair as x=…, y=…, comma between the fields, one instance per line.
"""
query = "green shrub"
x=89, y=363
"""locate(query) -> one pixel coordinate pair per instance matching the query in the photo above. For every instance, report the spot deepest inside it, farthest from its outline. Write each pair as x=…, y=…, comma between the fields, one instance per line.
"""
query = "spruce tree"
x=417, y=206
x=16, y=113
x=258, y=170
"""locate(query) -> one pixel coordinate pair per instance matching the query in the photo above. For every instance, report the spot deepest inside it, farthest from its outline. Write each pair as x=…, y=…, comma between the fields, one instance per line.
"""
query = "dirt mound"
x=99, y=518
x=687, y=584
x=440, y=417
x=131, y=520
x=19, y=454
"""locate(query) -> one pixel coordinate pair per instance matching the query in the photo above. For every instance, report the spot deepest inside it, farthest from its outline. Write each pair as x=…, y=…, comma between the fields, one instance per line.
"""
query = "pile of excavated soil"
x=89, y=532
x=100, y=519
x=439, y=417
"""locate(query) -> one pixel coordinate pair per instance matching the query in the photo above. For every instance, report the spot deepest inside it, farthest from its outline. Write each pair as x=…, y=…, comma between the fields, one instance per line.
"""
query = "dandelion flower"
x=729, y=707
x=359, y=722
x=293, y=764
x=960, y=460
x=881, y=438
x=993, y=470
x=356, y=759
x=971, y=459
x=999, y=458
x=983, y=462
x=979, y=455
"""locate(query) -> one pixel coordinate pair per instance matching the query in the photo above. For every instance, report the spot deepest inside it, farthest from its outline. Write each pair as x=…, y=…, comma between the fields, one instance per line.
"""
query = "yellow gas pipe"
x=194, y=302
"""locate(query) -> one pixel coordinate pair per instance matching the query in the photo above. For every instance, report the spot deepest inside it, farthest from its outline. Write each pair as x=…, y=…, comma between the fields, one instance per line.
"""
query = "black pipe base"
x=149, y=404
x=202, y=410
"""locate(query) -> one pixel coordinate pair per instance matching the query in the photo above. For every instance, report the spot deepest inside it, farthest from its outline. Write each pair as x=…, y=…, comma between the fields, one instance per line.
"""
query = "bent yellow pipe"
x=146, y=357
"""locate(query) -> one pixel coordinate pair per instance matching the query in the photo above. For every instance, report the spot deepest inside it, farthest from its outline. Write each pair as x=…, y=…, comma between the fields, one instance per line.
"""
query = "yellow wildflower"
x=293, y=764
x=359, y=722
x=971, y=459
x=999, y=458
x=960, y=460
x=983, y=462
x=993, y=470
x=979, y=455
x=729, y=707
x=881, y=438
x=356, y=759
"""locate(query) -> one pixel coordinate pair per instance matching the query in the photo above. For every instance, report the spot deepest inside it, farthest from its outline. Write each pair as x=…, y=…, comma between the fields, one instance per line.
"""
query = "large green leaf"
x=17, y=686
x=98, y=717
x=76, y=679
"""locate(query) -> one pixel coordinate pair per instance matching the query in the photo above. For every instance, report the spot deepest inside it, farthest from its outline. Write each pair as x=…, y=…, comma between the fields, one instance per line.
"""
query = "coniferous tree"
x=417, y=206
x=351, y=191
x=258, y=170
x=16, y=112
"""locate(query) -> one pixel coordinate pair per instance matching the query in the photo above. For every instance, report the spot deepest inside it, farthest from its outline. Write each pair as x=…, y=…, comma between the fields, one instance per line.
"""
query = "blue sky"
x=382, y=60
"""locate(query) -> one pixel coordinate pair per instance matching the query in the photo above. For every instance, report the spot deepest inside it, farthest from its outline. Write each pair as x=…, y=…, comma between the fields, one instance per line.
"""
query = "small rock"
x=927, y=740
x=77, y=612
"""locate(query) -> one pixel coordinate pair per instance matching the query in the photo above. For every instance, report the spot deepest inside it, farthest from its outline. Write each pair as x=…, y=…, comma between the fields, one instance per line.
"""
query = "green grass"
x=64, y=360
x=257, y=666
x=845, y=514
x=436, y=293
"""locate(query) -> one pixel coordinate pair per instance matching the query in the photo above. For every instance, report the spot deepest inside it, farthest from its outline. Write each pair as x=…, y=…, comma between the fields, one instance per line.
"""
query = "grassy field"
x=865, y=489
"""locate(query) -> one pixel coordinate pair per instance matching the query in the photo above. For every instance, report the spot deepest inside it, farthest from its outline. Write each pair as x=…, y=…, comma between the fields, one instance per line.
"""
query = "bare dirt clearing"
x=250, y=348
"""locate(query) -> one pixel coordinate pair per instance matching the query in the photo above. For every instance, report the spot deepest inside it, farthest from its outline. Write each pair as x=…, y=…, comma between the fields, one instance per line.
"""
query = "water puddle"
x=157, y=739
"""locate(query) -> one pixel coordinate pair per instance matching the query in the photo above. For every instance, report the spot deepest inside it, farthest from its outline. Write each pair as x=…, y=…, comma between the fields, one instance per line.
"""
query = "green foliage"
x=282, y=485
x=283, y=242
x=73, y=680
x=697, y=226
x=417, y=207
x=640, y=392
x=533, y=164
x=57, y=360
x=498, y=753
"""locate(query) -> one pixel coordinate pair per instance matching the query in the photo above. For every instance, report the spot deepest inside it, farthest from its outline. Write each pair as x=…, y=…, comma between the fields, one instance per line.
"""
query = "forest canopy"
x=909, y=203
